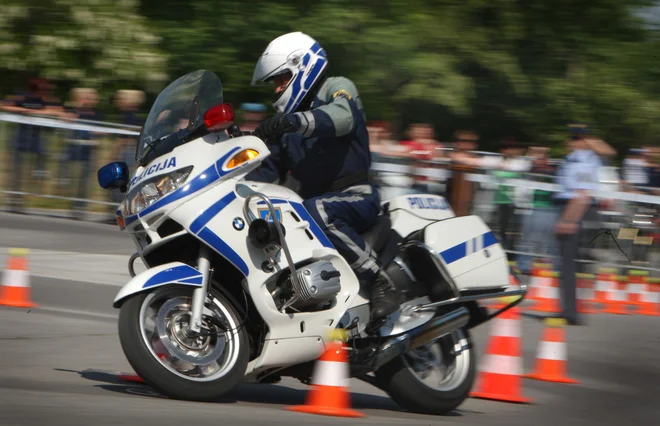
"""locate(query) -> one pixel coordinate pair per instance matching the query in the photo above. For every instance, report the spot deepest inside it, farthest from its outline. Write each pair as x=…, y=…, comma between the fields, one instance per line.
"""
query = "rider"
x=319, y=136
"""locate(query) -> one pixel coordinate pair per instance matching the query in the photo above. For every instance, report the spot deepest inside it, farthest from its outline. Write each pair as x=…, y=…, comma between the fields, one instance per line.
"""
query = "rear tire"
x=153, y=370
x=406, y=388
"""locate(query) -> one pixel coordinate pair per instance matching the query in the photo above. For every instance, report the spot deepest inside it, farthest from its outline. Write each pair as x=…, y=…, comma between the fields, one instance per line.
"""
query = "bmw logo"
x=238, y=223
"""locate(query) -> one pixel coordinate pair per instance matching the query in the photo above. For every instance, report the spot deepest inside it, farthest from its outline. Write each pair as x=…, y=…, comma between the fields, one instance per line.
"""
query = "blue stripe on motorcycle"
x=207, y=177
x=489, y=239
x=221, y=161
x=304, y=215
x=466, y=248
x=455, y=253
x=313, y=226
x=211, y=212
x=200, y=182
x=174, y=274
x=210, y=238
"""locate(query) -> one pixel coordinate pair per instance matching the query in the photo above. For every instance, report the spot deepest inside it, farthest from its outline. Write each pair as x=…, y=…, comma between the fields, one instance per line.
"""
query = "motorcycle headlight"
x=152, y=190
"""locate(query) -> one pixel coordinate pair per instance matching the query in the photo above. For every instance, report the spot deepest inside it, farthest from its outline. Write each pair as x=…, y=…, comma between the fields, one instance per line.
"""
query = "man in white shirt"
x=578, y=177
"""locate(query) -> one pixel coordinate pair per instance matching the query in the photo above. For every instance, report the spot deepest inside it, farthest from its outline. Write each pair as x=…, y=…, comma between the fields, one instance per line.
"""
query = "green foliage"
x=97, y=43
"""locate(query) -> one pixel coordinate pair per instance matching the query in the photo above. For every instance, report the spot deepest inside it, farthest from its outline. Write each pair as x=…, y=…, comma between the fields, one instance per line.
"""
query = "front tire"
x=411, y=379
x=153, y=336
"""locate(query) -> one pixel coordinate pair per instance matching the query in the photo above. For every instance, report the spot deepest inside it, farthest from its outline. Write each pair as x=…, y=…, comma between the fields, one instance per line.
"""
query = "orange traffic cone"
x=329, y=395
x=548, y=294
x=500, y=376
x=15, y=286
x=650, y=303
x=552, y=355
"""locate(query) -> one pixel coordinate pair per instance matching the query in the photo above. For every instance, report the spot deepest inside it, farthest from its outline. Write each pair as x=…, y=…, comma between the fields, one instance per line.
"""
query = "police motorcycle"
x=242, y=285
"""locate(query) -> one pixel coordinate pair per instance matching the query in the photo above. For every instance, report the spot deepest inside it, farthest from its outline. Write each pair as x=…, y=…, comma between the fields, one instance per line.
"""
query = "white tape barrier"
x=59, y=197
x=442, y=174
x=51, y=122
x=434, y=173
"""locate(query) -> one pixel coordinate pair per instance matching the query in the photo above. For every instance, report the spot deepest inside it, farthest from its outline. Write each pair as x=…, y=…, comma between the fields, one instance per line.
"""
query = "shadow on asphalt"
x=252, y=393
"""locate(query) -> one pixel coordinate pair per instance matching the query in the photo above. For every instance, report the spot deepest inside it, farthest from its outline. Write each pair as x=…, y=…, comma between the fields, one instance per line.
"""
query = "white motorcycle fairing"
x=210, y=208
x=173, y=273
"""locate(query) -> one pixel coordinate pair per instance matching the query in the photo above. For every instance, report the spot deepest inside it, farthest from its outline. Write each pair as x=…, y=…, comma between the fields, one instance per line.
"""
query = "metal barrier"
x=632, y=217
x=48, y=187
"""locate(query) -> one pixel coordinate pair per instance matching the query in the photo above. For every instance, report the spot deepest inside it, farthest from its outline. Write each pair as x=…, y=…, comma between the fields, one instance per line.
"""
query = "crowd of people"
x=550, y=222
x=538, y=221
x=81, y=147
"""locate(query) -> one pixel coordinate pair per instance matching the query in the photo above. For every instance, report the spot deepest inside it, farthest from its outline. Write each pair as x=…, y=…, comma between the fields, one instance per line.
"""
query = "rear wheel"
x=433, y=379
x=158, y=343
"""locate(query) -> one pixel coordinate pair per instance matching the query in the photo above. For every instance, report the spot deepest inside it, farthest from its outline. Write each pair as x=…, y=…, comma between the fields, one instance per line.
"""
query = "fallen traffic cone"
x=130, y=378
x=329, y=395
x=552, y=355
x=15, y=285
x=500, y=376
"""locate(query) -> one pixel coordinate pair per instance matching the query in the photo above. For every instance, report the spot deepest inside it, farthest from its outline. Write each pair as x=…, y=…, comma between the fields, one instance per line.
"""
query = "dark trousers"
x=507, y=218
x=343, y=216
x=568, y=250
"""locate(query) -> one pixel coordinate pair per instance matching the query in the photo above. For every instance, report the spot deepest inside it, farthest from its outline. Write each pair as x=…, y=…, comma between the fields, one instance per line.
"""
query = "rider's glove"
x=276, y=126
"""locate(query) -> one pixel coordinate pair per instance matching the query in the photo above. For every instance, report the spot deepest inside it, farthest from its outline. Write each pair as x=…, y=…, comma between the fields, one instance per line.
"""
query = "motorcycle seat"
x=379, y=234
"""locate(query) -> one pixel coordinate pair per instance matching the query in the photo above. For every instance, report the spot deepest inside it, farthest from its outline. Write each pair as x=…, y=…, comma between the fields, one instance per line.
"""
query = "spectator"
x=636, y=169
x=38, y=100
x=253, y=114
x=460, y=190
x=80, y=147
x=422, y=147
x=538, y=225
x=128, y=103
x=578, y=177
x=508, y=166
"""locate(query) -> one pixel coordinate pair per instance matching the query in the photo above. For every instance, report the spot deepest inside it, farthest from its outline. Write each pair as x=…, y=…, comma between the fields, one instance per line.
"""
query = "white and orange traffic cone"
x=650, y=301
x=538, y=282
x=15, y=286
x=330, y=381
x=547, y=295
x=605, y=283
x=552, y=356
x=585, y=293
x=500, y=375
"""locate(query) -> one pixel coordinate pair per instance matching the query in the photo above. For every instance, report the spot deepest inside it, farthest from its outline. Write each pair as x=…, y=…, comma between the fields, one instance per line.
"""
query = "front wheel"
x=157, y=341
x=433, y=379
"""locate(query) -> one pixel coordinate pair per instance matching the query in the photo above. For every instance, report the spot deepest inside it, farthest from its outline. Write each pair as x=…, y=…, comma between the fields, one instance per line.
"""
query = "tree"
x=102, y=43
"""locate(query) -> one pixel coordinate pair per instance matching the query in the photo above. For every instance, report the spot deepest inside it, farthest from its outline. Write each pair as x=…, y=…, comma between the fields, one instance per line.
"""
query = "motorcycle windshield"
x=177, y=112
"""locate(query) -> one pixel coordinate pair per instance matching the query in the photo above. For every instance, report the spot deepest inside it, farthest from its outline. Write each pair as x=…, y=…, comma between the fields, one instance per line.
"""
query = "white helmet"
x=299, y=54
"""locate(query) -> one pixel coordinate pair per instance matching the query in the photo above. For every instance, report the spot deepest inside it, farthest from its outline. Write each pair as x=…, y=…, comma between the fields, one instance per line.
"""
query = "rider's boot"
x=384, y=298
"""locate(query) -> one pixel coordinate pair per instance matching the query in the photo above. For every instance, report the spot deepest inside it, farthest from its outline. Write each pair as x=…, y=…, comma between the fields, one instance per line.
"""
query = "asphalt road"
x=58, y=362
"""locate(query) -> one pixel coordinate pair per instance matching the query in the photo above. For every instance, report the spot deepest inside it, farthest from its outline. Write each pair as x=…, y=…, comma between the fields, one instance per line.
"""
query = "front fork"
x=199, y=295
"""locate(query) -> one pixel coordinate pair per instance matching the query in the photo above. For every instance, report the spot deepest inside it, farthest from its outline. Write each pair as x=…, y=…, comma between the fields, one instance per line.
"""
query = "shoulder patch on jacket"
x=341, y=92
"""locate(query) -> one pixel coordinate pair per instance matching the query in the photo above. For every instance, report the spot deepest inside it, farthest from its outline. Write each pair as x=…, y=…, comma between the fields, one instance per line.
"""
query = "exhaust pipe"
x=432, y=330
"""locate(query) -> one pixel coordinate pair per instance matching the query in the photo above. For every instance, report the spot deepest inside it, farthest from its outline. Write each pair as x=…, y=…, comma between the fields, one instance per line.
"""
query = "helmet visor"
x=268, y=67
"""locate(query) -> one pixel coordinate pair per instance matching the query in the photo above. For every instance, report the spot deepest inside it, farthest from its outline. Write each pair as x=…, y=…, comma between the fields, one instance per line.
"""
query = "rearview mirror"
x=113, y=175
